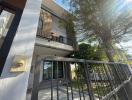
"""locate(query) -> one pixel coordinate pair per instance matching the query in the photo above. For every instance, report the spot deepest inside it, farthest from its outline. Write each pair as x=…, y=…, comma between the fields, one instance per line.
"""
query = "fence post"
x=35, y=90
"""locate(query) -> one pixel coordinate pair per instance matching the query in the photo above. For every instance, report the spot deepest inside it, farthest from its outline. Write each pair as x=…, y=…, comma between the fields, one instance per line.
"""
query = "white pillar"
x=13, y=86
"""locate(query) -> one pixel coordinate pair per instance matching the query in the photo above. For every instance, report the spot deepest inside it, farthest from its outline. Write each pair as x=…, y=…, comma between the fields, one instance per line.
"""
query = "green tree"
x=108, y=20
x=89, y=52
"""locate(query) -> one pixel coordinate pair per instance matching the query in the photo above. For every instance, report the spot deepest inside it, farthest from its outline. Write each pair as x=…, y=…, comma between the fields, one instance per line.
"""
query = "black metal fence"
x=86, y=80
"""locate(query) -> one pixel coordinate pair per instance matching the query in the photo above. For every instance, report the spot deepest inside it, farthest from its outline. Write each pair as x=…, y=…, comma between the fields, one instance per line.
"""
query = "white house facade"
x=30, y=30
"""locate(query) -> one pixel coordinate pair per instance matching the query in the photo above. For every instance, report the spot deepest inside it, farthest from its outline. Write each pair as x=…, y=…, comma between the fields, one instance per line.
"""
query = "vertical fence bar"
x=115, y=81
x=118, y=73
x=71, y=81
x=82, y=89
x=65, y=65
x=129, y=71
x=81, y=80
x=122, y=73
x=78, y=80
x=52, y=80
x=57, y=82
x=108, y=76
x=109, y=79
x=106, y=79
x=96, y=82
x=88, y=81
x=101, y=79
x=126, y=97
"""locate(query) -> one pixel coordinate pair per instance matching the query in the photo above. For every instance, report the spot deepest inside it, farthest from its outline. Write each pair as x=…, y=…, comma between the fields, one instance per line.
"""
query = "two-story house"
x=52, y=40
x=31, y=30
x=32, y=35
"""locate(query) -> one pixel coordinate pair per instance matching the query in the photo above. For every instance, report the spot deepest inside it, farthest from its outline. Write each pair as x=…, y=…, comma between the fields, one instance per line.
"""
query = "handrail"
x=65, y=40
x=55, y=58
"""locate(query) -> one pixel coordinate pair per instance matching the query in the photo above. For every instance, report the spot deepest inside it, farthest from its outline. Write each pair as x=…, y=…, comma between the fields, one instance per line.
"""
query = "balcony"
x=60, y=39
x=54, y=45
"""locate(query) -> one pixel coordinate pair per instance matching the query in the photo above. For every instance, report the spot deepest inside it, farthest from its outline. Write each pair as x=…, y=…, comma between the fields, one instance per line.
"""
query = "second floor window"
x=45, y=23
x=61, y=39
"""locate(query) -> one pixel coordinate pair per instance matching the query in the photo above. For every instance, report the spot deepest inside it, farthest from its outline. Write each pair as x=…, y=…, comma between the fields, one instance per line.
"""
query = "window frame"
x=52, y=71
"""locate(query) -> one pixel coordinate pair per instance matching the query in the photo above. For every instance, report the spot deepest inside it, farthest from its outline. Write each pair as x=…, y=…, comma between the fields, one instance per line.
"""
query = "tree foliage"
x=108, y=20
x=102, y=16
x=89, y=52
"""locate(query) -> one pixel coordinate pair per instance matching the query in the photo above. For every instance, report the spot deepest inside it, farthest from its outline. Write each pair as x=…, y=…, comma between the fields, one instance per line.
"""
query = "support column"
x=13, y=86
x=35, y=90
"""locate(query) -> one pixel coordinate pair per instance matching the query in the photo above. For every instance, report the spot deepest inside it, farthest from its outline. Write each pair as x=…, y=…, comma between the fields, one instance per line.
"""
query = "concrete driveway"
x=45, y=94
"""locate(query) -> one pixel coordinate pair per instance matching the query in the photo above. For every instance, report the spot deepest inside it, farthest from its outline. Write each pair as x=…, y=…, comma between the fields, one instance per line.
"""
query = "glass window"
x=60, y=69
x=47, y=70
x=6, y=19
x=61, y=39
x=47, y=74
x=45, y=23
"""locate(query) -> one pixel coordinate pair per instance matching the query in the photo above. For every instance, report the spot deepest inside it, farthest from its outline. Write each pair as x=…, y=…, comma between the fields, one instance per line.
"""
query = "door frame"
x=5, y=48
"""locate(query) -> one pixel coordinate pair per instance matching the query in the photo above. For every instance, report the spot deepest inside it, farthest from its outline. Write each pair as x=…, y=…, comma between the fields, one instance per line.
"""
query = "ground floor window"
x=50, y=70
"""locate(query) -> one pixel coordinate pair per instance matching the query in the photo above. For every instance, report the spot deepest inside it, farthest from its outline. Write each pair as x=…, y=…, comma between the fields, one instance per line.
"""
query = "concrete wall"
x=13, y=86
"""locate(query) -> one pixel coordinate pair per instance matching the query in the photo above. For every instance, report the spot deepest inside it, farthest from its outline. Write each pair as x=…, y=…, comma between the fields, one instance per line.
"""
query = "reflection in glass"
x=47, y=74
x=48, y=70
x=45, y=24
x=5, y=22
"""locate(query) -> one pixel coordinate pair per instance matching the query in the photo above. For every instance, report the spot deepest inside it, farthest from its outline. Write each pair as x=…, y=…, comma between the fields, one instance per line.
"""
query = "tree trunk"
x=107, y=46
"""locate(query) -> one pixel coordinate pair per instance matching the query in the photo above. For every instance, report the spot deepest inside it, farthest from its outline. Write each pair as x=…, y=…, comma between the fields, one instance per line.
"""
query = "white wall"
x=13, y=86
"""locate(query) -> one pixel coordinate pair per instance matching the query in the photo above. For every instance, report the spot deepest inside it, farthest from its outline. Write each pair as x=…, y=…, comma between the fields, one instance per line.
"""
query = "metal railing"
x=60, y=39
x=86, y=80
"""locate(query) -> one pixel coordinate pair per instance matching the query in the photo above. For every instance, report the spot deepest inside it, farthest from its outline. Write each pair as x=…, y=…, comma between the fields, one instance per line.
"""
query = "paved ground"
x=46, y=94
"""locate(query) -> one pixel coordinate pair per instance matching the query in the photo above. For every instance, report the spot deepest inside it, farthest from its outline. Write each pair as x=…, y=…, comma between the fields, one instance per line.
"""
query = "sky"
x=124, y=45
x=62, y=4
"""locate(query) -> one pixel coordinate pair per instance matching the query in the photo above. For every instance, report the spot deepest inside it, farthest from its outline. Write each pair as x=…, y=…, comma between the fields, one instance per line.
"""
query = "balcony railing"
x=90, y=80
x=60, y=39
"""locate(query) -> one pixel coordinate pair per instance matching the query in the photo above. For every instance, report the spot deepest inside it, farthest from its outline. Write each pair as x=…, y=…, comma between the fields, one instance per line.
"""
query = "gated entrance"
x=85, y=80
